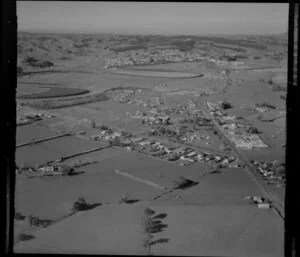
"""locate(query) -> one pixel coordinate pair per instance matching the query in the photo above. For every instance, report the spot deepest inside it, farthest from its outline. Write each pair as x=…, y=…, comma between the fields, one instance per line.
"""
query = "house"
x=144, y=143
x=168, y=150
x=191, y=154
x=137, y=139
x=218, y=158
x=94, y=137
x=200, y=157
x=181, y=149
x=117, y=134
x=187, y=159
x=225, y=162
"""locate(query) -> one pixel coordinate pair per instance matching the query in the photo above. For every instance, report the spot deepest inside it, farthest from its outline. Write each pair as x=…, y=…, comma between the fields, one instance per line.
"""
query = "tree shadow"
x=25, y=237
x=82, y=205
x=75, y=173
x=155, y=222
x=132, y=201
x=91, y=206
x=216, y=172
x=160, y=241
x=129, y=201
x=160, y=216
x=186, y=184
x=157, y=228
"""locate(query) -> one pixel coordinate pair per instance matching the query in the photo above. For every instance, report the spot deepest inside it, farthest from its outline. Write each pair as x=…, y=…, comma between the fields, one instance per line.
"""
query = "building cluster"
x=54, y=169
x=239, y=133
x=176, y=122
x=30, y=118
x=190, y=137
x=141, y=57
x=270, y=170
x=154, y=117
x=262, y=108
x=124, y=96
x=259, y=108
x=138, y=57
x=189, y=108
x=182, y=155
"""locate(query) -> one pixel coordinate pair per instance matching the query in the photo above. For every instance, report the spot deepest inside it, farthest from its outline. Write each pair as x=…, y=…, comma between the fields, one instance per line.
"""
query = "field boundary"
x=44, y=139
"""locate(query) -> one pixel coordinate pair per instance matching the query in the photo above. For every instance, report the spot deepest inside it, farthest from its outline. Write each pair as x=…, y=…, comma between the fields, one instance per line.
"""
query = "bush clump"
x=80, y=205
x=183, y=183
x=33, y=62
x=36, y=221
x=226, y=105
x=253, y=130
x=65, y=170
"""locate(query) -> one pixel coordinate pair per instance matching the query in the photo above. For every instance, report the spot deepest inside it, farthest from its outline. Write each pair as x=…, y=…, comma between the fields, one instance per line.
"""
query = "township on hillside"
x=150, y=143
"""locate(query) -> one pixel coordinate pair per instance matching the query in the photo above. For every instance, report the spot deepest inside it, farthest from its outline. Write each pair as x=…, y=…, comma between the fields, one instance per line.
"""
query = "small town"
x=138, y=57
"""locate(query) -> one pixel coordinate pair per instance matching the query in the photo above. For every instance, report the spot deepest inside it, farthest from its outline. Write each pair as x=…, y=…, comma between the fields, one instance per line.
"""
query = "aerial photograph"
x=151, y=128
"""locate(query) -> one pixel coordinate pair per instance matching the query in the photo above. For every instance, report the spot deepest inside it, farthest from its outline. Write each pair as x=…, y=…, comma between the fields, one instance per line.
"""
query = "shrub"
x=65, y=170
x=226, y=105
x=80, y=205
x=149, y=212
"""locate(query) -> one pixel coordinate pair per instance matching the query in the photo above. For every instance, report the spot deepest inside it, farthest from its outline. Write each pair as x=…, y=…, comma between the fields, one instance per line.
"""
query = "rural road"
x=276, y=201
